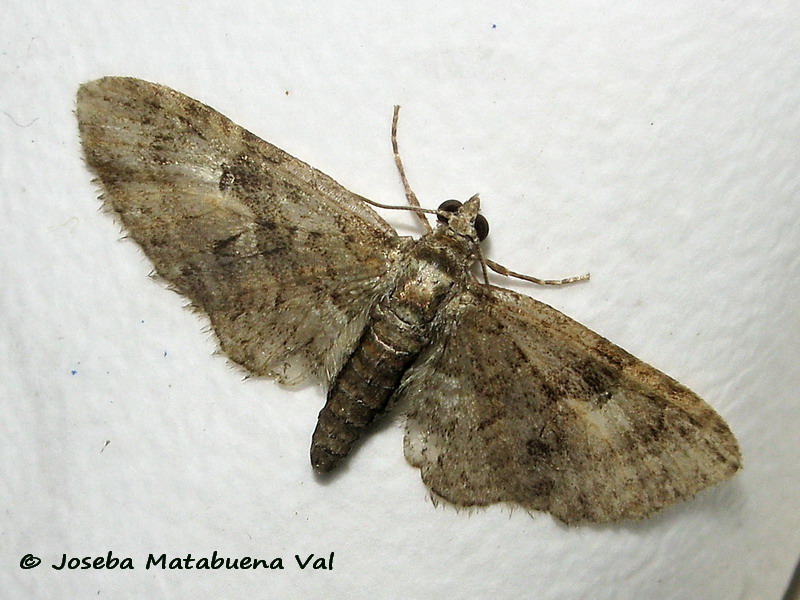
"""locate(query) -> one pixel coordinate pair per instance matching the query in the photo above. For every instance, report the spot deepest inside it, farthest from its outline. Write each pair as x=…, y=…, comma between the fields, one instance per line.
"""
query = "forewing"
x=284, y=260
x=515, y=402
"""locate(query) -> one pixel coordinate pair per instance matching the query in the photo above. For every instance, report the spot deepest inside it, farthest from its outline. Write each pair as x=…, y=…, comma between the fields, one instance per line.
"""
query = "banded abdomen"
x=398, y=330
x=364, y=385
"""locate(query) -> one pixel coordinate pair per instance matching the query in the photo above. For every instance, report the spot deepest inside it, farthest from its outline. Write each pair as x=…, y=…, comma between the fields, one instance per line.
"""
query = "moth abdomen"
x=362, y=389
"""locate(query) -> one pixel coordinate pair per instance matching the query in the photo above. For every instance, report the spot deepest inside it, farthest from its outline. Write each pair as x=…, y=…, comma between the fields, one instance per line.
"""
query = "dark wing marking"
x=284, y=260
x=515, y=402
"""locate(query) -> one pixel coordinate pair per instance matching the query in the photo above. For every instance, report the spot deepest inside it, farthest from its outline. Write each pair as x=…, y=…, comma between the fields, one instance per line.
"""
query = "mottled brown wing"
x=284, y=260
x=515, y=402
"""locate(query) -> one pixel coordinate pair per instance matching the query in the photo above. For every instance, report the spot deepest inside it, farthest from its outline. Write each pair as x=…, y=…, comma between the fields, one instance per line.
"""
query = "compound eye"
x=450, y=206
x=481, y=227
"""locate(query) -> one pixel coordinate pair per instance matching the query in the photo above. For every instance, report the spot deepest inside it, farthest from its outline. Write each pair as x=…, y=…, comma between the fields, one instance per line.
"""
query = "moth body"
x=398, y=330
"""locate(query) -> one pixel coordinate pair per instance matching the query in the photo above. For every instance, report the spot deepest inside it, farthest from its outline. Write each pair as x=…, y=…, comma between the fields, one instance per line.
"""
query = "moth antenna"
x=410, y=195
x=415, y=209
x=497, y=268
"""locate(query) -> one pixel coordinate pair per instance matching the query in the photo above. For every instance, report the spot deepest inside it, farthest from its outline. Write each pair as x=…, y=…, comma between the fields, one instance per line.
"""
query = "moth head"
x=464, y=219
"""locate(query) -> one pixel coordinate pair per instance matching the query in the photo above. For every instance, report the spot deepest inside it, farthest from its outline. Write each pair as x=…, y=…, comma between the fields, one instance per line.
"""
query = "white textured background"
x=653, y=144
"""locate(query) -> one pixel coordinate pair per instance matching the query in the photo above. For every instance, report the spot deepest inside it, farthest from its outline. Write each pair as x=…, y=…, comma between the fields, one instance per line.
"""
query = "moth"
x=506, y=399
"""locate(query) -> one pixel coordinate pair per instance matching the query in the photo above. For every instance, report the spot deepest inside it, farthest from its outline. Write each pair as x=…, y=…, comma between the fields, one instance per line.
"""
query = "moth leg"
x=410, y=195
x=509, y=273
x=482, y=260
